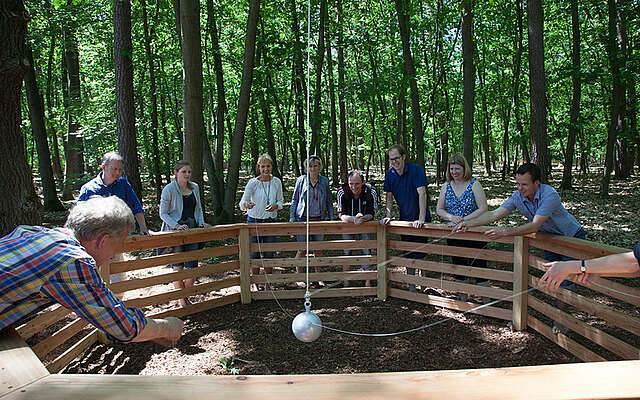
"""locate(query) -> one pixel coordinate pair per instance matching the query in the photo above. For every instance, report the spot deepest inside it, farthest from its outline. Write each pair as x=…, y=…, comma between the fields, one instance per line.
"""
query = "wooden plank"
x=245, y=266
x=315, y=277
x=382, y=276
x=314, y=261
x=443, y=232
x=520, y=283
x=438, y=301
x=42, y=321
x=172, y=238
x=181, y=293
x=444, y=284
x=444, y=250
x=43, y=348
x=563, y=341
x=610, y=288
x=19, y=366
x=327, y=293
x=596, y=335
x=173, y=258
x=573, y=247
x=324, y=245
x=161, y=279
x=74, y=351
x=487, y=273
x=315, y=227
x=564, y=381
x=199, y=307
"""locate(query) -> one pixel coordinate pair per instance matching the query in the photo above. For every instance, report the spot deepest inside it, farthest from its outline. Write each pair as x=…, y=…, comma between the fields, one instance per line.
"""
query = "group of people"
x=41, y=266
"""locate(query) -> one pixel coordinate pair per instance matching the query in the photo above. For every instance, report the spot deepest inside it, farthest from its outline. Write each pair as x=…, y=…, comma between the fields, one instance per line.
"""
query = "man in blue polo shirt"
x=541, y=205
x=110, y=182
x=407, y=183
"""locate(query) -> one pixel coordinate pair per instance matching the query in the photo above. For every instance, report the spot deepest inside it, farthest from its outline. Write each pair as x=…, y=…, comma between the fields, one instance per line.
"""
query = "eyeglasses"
x=392, y=159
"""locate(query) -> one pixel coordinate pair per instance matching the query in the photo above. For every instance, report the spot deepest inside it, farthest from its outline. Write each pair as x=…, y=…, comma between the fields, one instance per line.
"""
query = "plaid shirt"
x=41, y=266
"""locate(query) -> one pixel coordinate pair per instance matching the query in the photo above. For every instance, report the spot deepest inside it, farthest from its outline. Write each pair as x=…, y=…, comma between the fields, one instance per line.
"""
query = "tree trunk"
x=18, y=200
x=469, y=77
x=36, y=115
x=298, y=78
x=402, y=8
x=57, y=165
x=333, y=122
x=243, y=110
x=537, y=89
x=192, y=117
x=341, y=100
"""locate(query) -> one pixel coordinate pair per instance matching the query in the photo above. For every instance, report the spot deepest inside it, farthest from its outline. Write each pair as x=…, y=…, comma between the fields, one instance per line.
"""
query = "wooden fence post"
x=245, y=265
x=520, y=282
x=381, y=236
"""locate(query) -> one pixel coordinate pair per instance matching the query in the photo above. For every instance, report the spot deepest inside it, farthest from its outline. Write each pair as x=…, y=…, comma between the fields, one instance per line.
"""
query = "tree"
x=469, y=76
x=18, y=199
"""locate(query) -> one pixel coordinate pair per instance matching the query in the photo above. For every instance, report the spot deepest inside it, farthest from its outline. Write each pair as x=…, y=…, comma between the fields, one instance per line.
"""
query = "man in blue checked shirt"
x=41, y=266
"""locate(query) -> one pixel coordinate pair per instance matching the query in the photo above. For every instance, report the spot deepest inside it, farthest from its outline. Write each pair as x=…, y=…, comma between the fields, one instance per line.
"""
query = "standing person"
x=357, y=203
x=407, y=183
x=110, y=182
x=261, y=200
x=541, y=205
x=462, y=198
x=312, y=198
x=41, y=266
x=180, y=210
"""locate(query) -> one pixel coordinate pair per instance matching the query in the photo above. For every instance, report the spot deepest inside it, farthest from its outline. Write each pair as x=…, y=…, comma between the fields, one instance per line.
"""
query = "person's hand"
x=172, y=328
x=204, y=225
x=182, y=227
x=585, y=279
x=494, y=234
x=249, y=205
x=385, y=220
x=146, y=232
x=455, y=219
x=271, y=208
x=558, y=272
x=460, y=227
x=418, y=224
x=358, y=219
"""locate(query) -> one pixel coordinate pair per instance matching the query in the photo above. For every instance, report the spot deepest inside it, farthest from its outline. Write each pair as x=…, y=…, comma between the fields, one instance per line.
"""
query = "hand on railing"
x=385, y=221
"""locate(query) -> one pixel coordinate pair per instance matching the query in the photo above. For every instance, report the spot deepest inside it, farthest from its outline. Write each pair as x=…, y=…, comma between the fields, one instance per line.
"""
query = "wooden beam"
x=180, y=293
x=444, y=250
x=564, y=341
x=324, y=245
x=520, y=283
x=315, y=277
x=487, y=273
x=198, y=307
x=327, y=293
x=383, y=278
x=173, y=258
x=43, y=348
x=74, y=351
x=19, y=365
x=245, y=265
x=172, y=238
x=443, y=284
x=337, y=261
x=43, y=320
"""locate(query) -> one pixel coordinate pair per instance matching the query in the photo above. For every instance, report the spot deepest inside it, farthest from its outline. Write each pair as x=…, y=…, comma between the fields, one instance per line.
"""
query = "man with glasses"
x=407, y=184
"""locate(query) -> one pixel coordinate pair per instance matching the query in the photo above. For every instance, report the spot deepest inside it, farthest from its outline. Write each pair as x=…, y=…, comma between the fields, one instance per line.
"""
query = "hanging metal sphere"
x=307, y=326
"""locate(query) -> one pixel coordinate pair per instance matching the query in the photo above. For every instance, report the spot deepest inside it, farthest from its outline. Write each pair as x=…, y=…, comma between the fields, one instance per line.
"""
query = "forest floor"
x=257, y=339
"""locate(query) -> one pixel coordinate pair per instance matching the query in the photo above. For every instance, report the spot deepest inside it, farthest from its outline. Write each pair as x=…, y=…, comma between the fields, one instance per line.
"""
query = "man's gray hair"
x=111, y=156
x=100, y=215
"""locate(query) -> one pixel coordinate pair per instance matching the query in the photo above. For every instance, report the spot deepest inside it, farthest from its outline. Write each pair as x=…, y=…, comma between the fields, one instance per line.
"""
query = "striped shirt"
x=41, y=266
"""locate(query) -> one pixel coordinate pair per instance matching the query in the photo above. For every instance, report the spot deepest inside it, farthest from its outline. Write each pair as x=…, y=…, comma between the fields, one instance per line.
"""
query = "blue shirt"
x=120, y=188
x=546, y=202
x=405, y=190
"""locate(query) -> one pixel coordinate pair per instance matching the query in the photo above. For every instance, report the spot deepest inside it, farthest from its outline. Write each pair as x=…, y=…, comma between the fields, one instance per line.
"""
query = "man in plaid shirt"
x=41, y=266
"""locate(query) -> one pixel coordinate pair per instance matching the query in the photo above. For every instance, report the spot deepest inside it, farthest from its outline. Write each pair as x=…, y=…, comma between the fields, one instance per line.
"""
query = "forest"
x=220, y=82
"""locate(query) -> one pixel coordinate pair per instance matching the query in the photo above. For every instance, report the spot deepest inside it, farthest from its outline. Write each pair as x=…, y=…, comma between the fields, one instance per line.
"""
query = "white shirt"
x=262, y=194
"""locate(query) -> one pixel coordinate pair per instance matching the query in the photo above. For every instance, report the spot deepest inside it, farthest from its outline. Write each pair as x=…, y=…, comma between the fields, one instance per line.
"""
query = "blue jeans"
x=255, y=237
x=551, y=256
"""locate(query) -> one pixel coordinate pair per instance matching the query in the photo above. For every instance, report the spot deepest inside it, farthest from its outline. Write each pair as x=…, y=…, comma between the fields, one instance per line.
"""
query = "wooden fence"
x=225, y=268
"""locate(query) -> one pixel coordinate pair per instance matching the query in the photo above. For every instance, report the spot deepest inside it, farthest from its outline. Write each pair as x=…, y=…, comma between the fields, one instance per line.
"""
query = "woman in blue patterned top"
x=462, y=198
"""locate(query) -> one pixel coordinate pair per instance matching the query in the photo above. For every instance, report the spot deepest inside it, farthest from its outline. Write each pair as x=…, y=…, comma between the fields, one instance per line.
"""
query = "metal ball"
x=306, y=326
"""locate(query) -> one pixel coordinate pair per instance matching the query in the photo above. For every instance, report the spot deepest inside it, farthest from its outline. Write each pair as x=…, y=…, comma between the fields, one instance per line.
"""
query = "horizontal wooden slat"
x=314, y=261
x=444, y=284
x=327, y=293
x=443, y=232
x=573, y=247
x=133, y=284
x=325, y=245
x=487, y=273
x=181, y=293
x=43, y=348
x=315, y=276
x=596, y=335
x=438, y=301
x=19, y=366
x=563, y=341
x=172, y=238
x=74, y=351
x=614, y=317
x=610, y=288
x=444, y=250
x=199, y=307
x=315, y=227
x=174, y=258
x=42, y=321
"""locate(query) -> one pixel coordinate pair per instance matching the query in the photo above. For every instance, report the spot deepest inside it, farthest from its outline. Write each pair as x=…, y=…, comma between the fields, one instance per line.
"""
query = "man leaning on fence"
x=42, y=266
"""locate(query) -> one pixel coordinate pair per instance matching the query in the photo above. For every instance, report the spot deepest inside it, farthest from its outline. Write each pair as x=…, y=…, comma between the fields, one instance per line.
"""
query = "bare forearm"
x=169, y=328
x=141, y=222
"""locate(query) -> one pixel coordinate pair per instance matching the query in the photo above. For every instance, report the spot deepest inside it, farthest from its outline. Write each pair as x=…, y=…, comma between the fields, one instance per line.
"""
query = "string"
x=307, y=295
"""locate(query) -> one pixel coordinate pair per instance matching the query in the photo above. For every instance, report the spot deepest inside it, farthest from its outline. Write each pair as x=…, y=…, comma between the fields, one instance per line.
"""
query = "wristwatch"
x=583, y=267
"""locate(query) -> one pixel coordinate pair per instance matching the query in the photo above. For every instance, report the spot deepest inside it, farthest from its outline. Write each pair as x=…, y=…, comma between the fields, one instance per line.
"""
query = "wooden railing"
x=226, y=264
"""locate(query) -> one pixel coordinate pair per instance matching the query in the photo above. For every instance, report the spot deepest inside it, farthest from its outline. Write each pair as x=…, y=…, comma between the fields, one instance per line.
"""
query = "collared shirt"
x=120, y=187
x=405, y=190
x=41, y=266
x=546, y=202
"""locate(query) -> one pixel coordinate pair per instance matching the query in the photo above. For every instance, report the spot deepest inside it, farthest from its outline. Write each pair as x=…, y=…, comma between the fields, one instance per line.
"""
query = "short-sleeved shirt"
x=120, y=187
x=404, y=189
x=463, y=205
x=546, y=202
x=636, y=252
x=41, y=266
